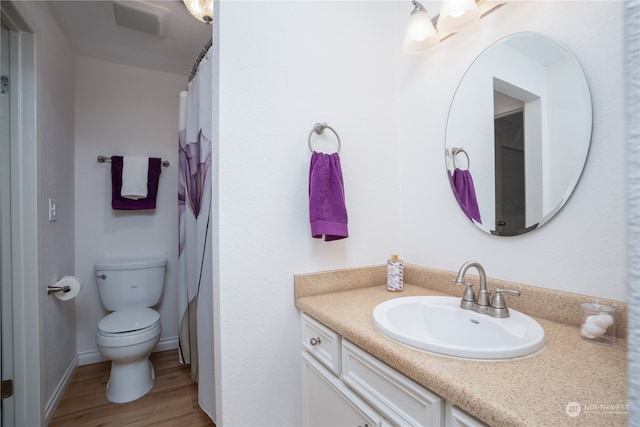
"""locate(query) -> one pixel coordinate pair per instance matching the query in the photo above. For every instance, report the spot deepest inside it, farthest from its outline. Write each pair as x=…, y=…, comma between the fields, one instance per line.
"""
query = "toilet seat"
x=129, y=320
x=128, y=327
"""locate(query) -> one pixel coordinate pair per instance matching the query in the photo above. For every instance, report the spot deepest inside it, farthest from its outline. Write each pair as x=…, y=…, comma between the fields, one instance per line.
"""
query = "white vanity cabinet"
x=345, y=386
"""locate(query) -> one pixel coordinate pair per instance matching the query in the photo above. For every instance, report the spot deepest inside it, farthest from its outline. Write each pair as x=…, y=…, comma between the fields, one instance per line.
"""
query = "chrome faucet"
x=483, y=303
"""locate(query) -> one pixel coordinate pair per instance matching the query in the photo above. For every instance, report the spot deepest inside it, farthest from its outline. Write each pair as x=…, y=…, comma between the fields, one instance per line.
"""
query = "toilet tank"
x=130, y=283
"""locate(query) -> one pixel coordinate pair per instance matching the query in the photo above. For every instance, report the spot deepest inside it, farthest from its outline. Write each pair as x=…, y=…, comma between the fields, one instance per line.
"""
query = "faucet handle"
x=469, y=298
x=469, y=294
x=498, y=299
x=498, y=307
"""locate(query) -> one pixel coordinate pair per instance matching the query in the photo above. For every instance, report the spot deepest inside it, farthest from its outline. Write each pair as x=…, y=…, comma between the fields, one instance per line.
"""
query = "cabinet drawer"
x=321, y=342
x=399, y=399
x=326, y=401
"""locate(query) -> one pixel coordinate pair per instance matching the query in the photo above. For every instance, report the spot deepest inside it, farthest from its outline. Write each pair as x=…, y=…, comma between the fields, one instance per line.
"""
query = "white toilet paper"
x=74, y=283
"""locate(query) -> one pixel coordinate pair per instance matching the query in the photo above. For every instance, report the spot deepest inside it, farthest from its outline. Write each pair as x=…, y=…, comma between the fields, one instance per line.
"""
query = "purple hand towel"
x=153, y=177
x=327, y=209
x=465, y=192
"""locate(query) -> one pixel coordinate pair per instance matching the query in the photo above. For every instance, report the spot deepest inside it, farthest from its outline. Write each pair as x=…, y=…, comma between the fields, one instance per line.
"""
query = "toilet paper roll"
x=74, y=283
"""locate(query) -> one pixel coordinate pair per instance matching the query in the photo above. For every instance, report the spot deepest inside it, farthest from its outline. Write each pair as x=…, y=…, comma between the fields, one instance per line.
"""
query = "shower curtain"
x=195, y=289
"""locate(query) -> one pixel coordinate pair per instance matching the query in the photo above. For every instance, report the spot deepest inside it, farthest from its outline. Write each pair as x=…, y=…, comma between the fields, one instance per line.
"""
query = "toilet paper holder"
x=66, y=288
x=54, y=289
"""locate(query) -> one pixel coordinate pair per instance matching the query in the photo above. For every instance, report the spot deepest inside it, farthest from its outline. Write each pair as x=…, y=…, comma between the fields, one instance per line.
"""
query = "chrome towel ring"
x=319, y=128
x=455, y=151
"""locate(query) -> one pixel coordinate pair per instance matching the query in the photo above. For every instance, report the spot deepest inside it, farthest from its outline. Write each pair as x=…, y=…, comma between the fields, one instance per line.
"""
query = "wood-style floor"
x=173, y=401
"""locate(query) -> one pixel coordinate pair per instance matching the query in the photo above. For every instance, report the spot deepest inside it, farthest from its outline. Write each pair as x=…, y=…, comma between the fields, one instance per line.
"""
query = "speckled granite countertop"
x=529, y=391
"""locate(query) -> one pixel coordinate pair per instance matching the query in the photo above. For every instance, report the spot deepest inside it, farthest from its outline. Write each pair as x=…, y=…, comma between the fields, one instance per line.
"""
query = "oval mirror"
x=518, y=133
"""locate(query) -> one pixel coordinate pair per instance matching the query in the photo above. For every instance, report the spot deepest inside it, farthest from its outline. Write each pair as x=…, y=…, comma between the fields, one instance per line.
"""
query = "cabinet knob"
x=314, y=341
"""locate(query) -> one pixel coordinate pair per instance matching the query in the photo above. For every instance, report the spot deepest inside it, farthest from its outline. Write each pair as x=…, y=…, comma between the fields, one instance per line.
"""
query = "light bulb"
x=200, y=9
x=457, y=14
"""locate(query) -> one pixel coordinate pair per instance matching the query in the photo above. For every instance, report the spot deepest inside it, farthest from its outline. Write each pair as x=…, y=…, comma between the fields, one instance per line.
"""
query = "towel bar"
x=102, y=159
x=319, y=129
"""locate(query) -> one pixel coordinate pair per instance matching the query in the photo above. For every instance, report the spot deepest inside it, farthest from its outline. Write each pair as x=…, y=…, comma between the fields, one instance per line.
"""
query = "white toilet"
x=129, y=288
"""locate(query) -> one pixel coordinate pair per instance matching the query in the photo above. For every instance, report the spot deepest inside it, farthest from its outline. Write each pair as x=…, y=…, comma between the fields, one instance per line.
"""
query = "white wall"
x=283, y=67
x=582, y=249
x=123, y=110
x=560, y=168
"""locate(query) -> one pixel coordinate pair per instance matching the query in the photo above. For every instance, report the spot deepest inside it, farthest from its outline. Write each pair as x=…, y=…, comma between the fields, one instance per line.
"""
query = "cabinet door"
x=326, y=401
x=456, y=417
x=399, y=399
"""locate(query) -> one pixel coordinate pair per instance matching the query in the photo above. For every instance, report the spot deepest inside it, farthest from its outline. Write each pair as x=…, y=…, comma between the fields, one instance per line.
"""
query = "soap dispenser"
x=394, y=273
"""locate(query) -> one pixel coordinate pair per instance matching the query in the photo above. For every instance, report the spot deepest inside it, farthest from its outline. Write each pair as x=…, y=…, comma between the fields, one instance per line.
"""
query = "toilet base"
x=130, y=381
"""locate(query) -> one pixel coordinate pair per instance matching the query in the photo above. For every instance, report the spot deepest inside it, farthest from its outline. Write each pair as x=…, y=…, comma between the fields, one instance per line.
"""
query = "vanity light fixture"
x=454, y=16
x=420, y=34
x=201, y=9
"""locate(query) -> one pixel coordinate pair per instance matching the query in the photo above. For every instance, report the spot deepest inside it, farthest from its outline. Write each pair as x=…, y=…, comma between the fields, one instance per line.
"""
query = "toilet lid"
x=129, y=320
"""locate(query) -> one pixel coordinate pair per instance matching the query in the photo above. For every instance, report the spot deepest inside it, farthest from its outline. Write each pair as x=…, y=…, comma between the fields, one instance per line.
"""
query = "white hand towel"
x=135, y=170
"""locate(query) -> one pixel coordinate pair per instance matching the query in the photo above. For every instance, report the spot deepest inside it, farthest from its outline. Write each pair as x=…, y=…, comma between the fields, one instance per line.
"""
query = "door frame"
x=6, y=310
x=26, y=322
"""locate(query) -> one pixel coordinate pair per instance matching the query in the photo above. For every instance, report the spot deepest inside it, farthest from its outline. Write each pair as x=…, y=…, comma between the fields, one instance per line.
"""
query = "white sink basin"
x=439, y=325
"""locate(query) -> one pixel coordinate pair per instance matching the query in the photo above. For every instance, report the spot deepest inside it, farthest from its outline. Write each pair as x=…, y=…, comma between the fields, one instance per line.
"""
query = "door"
x=510, y=174
x=6, y=351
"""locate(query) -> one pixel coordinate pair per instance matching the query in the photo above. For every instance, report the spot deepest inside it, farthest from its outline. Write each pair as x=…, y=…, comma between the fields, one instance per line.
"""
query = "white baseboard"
x=166, y=344
x=89, y=357
x=53, y=402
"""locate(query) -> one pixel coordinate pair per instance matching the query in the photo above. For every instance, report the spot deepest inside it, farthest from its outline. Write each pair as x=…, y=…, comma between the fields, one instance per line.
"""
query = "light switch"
x=53, y=214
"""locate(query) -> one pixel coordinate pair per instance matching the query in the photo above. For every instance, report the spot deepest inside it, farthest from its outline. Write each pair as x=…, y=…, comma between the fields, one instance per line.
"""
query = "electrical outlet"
x=53, y=213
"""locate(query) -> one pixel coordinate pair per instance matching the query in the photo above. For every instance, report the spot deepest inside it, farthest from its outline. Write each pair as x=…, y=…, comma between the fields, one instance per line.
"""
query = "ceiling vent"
x=141, y=16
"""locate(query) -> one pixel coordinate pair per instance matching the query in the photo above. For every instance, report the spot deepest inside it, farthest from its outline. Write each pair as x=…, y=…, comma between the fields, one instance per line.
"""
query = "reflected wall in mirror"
x=518, y=133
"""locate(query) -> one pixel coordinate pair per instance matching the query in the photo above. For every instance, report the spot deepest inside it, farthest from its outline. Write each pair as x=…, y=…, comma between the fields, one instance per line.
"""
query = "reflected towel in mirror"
x=465, y=193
